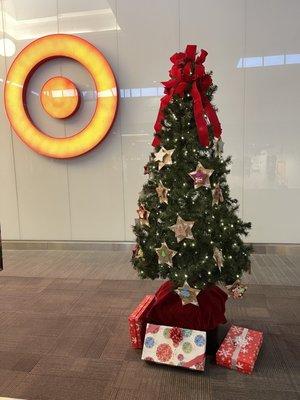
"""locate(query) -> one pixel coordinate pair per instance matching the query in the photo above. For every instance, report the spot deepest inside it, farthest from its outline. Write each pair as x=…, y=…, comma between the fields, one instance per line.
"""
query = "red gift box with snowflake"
x=240, y=349
x=137, y=321
x=175, y=346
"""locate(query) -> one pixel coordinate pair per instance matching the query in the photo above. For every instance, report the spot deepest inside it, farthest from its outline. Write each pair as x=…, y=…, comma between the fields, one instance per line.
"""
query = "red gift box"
x=239, y=349
x=137, y=321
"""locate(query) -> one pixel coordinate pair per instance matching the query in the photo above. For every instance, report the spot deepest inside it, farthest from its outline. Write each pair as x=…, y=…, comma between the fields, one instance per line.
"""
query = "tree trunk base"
x=212, y=341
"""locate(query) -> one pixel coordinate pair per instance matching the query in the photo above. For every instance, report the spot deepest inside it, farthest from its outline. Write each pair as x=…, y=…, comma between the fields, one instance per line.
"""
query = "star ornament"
x=143, y=215
x=237, y=289
x=218, y=257
x=182, y=229
x=165, y=254
x=162, y=193
x=188, y=294
x=164, y=157
x=137, y=252
x=201, y=176
x=217, y=195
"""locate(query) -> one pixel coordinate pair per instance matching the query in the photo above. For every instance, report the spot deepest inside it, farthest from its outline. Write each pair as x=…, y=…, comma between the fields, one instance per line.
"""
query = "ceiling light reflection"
x=7, y=47
x=268, y=61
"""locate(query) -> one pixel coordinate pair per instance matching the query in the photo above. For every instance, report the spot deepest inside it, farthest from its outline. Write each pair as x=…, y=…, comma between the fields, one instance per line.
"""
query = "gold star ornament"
x=182, y=229
x=164, y=157
x=188, y=294
x=162, y=193
x=218, y=257
x=137, y=252
x=201, y=176
x=237, y=289
x=165, y=254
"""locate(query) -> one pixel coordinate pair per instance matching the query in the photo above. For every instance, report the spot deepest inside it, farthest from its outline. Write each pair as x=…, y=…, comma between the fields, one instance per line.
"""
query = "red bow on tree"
x=188, y=74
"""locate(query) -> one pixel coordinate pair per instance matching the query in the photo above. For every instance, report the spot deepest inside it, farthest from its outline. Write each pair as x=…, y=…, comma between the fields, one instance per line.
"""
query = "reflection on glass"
x=60, y=93
x=7, y=47
x=99, y=20
x=270, y=167
x=142, y=92
x=268, y=61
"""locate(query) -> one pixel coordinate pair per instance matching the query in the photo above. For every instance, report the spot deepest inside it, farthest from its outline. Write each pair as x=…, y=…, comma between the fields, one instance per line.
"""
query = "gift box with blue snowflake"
x=175, y=346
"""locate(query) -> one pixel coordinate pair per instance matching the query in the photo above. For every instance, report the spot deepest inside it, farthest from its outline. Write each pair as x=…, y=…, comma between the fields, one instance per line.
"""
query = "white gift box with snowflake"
x=175, y=346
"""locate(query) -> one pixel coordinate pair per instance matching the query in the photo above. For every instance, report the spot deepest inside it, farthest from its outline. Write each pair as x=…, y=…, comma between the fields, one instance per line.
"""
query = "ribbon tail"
x=199, y=116
x=156, y=141
x=236, y=352
x=197, y=360
x=163, y=103
x=213, y=119
x=161, y=114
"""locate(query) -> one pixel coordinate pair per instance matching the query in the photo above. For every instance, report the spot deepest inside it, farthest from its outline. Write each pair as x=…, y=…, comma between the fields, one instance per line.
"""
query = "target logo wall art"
x=63, y=105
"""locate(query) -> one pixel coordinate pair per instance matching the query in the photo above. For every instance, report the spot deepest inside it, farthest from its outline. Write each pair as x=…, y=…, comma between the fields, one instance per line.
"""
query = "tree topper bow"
x=188, y=74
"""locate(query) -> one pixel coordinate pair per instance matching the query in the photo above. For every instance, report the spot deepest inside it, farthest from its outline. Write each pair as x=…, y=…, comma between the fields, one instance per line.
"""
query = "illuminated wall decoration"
x=59, y=95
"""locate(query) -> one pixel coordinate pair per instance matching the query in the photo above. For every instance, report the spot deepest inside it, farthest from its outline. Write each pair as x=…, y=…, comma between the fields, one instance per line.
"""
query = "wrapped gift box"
x=175, y=346
x=240, y=348
x=137, y=321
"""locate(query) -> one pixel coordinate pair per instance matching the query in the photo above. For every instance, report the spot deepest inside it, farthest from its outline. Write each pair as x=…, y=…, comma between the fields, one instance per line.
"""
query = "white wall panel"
x=272, y=182
x=148, y=36
x=94, y=197
x=218, y=27
x=41, y=182
x=95, y=179
x=8, y=193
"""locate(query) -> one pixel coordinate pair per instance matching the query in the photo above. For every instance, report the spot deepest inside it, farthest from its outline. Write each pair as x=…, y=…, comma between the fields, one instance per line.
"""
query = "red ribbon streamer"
x=188, y=73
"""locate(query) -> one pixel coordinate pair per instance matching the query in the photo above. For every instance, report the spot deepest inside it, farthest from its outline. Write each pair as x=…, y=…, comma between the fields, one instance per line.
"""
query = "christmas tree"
x=188, y=229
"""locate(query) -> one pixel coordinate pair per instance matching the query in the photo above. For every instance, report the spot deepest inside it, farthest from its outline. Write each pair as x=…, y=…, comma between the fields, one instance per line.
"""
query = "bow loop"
x=206, y=81
x=190, y=52
x=169, y=84
x=201, y=57
x=199, y=70
x=188, y=72
x=175, y=72
x=177, y=58
x=180, y=88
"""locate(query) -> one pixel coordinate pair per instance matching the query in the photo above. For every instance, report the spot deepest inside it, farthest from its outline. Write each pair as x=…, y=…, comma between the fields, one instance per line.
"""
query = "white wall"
x=94, y=197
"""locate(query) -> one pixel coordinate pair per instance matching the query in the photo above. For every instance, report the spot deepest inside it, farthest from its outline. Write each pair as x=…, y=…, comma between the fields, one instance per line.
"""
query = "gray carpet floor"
x=64, y=332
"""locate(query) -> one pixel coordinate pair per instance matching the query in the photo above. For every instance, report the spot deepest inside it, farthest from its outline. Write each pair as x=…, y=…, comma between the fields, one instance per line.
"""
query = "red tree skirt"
x=168, y=309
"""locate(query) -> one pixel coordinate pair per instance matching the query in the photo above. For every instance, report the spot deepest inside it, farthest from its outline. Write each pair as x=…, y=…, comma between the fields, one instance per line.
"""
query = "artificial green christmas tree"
x=188, y=229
